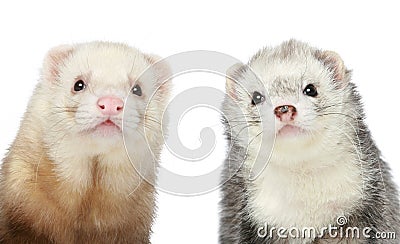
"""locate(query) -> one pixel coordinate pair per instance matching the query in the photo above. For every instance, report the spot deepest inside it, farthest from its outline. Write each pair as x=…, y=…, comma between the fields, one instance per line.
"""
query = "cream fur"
x=69, y=184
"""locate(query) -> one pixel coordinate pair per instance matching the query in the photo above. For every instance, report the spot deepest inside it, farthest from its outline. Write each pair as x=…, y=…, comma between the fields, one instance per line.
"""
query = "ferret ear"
x=162, y=70
x=53, y=60
x=335, y=64
x=232, y=75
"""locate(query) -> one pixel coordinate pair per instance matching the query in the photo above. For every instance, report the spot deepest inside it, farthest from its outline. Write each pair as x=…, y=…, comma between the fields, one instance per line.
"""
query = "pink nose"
x=110, y=105
x=285, y=113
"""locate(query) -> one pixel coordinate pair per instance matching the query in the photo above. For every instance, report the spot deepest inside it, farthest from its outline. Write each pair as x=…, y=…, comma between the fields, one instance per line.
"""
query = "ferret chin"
x=67, y=177
x=324, y=164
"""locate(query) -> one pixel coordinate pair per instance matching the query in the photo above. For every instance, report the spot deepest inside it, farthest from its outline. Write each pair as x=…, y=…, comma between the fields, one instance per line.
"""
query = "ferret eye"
x=310, y=90
x=257, y=98
x=79, y=85
x=137, y=90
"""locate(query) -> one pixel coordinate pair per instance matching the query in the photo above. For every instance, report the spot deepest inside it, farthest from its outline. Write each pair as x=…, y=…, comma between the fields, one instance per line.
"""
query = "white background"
x=365, y=34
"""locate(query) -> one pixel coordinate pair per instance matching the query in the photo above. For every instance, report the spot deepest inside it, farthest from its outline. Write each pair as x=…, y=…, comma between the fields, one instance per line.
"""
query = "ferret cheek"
x=130, y=114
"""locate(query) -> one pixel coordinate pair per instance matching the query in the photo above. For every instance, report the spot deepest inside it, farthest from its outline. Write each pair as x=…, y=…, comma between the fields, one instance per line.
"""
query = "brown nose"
x=285, y=113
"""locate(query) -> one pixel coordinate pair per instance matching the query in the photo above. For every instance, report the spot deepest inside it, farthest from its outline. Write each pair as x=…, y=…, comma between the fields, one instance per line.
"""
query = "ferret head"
x=304, y=89
x=89, y=92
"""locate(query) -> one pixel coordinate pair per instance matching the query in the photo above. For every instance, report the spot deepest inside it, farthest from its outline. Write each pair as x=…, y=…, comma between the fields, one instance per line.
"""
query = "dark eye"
x=310, y=90
x=79, y=85
x=257, y=98
x=137, y=90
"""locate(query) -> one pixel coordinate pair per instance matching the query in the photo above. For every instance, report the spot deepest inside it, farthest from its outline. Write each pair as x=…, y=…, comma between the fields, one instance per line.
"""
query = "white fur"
x=108, y=70
x=305, y=195
x=309, y=180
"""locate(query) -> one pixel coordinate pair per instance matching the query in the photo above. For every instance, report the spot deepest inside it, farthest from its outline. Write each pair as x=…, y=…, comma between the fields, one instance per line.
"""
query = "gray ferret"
x=324, y=172
x=67, y=177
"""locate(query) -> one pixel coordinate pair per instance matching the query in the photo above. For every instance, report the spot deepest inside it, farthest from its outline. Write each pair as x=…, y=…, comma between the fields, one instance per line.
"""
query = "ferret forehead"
x=110, y=58
x=295, y=69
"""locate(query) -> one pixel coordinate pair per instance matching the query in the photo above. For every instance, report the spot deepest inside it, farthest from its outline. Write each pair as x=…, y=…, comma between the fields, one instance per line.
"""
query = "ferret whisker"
x=243, y=116
x=153, y=120
x=56, y=124
x=250, y=115
x=236, y=124
x=63, y=111
x=148, y=126
x=252, y=139
x=241, y=130
x=248, y=121
x=333, y=105
x=62, y=107
x=59, y=108
x=337, y=113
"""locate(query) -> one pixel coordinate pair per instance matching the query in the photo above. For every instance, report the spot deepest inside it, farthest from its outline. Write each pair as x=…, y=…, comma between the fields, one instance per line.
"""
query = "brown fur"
x=109, y=203
x=68, y=216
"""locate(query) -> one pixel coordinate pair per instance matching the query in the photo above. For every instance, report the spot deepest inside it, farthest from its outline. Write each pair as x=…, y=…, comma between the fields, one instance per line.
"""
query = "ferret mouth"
x=290, y=131
x=106, y=128
x=108, y=123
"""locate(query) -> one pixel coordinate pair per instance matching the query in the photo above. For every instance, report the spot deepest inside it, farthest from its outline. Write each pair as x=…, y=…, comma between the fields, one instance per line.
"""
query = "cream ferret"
x=67, y=177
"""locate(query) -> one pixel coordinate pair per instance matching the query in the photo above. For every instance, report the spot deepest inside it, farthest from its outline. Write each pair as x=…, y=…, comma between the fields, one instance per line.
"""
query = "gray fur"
x=379, y=207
